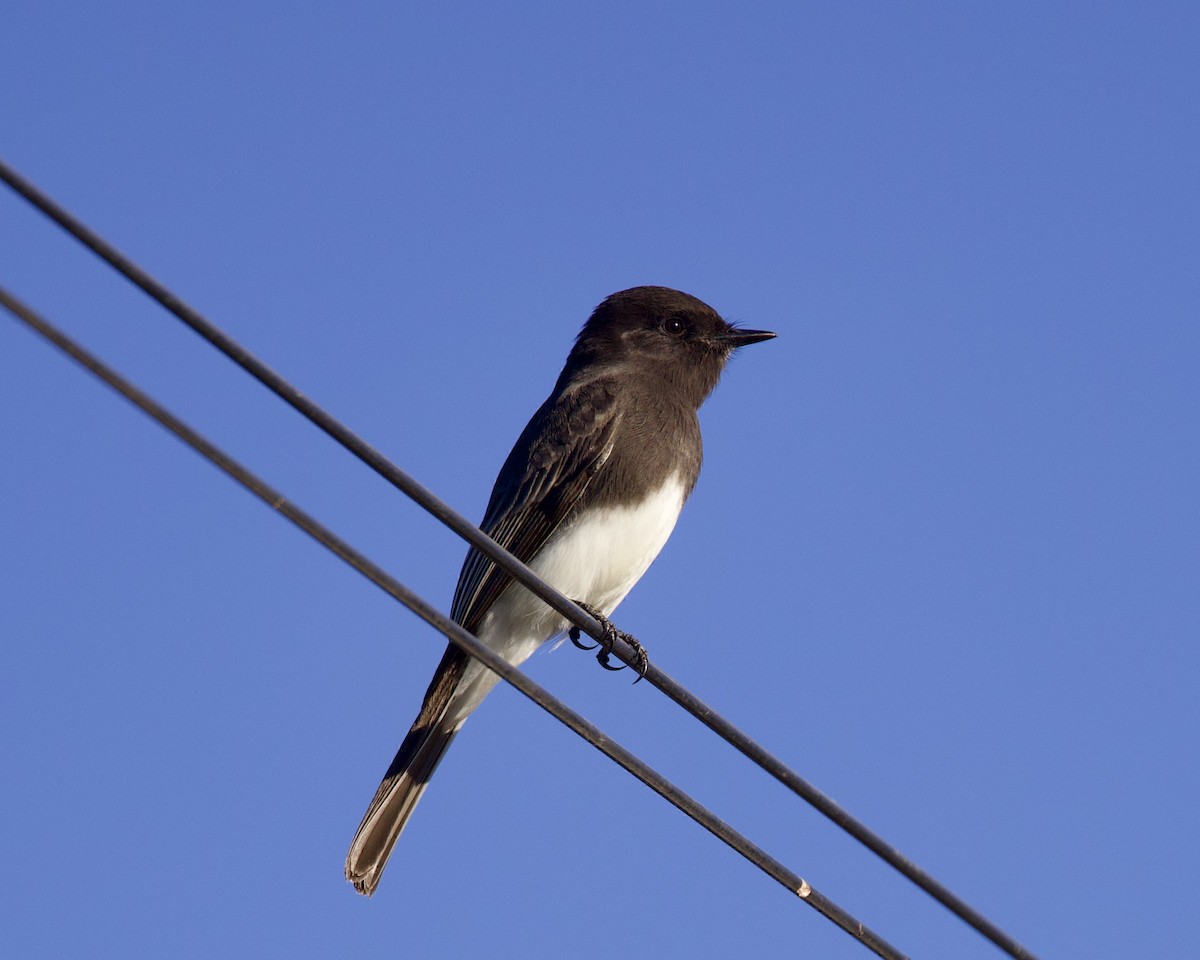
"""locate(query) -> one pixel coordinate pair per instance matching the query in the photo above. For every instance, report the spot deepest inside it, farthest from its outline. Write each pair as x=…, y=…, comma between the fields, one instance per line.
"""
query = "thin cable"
x=510, y=564
x=456, y=634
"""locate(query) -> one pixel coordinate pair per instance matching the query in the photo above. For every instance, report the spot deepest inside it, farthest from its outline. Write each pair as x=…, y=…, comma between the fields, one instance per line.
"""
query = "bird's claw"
x=574, y=634
x=611, y=634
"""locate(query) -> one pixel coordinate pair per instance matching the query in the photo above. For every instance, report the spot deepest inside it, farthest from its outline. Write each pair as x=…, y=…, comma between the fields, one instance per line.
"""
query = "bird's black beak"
x=741, y=338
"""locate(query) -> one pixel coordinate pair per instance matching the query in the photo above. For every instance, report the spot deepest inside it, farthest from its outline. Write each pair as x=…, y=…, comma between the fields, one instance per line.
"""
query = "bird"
x=587, y=498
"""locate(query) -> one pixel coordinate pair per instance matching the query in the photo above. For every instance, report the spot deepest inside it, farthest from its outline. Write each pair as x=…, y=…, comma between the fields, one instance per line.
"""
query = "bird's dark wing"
x=543, y=479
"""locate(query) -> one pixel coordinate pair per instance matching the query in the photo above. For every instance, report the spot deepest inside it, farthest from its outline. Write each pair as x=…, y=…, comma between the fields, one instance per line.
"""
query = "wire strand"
x=455, y=633
x=511, y=565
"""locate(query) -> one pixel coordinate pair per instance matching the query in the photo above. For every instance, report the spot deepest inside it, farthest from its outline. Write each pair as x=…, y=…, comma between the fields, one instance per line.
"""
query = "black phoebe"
x=587, y=498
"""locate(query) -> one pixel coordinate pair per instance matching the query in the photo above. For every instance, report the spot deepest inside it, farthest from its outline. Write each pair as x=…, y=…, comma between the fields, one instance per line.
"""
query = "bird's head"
x=659, y=332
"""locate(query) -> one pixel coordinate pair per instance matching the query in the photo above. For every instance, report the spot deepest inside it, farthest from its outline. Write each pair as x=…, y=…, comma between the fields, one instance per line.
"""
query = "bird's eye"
x=674, y=326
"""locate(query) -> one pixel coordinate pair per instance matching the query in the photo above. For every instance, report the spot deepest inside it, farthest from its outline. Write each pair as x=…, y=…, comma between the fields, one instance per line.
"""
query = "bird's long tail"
x=407, y=777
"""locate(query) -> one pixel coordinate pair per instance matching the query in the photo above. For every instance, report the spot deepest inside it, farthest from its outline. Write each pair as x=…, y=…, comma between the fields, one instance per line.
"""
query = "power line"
x=456, y=633
x=509, y=564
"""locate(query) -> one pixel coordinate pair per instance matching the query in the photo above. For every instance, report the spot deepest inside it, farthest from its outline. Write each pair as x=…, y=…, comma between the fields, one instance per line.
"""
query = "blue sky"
x=943, y=558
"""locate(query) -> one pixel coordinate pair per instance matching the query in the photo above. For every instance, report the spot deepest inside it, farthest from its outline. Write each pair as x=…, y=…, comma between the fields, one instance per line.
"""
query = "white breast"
x=600, y=556
x=597, y=558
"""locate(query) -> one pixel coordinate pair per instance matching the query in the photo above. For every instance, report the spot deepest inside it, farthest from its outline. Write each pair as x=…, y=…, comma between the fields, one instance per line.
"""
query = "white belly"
x=597, y=559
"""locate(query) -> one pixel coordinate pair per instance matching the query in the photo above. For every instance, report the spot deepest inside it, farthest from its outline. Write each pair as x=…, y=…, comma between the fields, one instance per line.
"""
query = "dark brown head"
x=658, y=333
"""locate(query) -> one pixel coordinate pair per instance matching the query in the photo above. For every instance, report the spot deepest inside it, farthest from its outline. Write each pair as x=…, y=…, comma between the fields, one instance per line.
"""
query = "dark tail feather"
x=406, y=778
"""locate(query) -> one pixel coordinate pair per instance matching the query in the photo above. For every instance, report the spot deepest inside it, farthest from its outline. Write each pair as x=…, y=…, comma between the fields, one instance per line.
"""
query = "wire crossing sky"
x=579, y=616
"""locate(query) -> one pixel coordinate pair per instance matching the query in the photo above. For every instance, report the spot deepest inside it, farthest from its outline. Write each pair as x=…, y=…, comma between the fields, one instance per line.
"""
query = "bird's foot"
x=575, y=633
x=611, y=634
